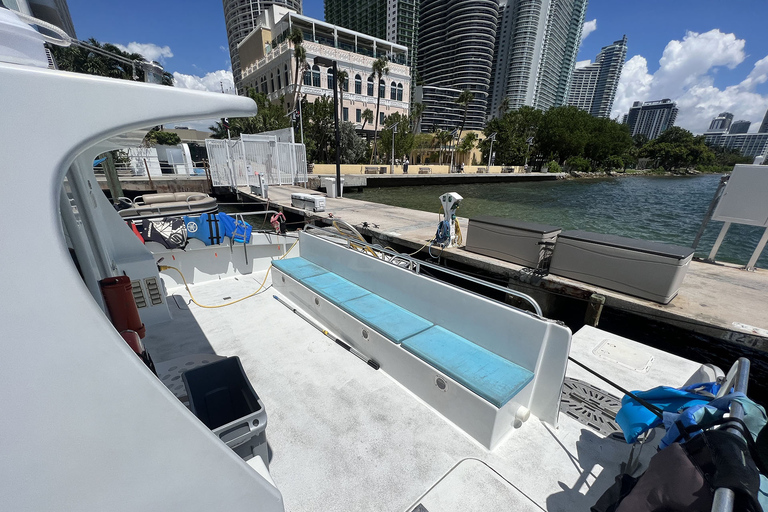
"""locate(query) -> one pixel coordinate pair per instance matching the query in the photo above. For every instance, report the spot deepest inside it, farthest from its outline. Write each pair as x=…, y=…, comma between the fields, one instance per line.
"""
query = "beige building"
x=267, y=63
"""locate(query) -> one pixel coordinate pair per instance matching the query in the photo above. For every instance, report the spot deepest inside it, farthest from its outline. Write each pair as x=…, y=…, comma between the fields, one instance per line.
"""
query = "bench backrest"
x=510, y=333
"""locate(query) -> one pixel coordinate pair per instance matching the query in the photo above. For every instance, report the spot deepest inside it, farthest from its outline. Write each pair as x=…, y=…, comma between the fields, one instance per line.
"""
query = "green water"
x=661, y=209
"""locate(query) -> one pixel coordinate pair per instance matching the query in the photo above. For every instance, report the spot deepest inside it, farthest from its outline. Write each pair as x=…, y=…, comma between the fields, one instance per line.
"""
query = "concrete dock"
x=315, y=181
x=720, y=301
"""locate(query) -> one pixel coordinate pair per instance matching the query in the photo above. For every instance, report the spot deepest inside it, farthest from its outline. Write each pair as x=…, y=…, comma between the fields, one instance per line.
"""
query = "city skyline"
x=707, y=57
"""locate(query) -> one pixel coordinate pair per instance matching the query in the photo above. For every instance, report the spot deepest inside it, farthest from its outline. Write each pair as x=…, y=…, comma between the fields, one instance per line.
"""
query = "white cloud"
x=685, y=75
x=210, y=82
x=588, y=28
x=148, y=50
x=583, y=63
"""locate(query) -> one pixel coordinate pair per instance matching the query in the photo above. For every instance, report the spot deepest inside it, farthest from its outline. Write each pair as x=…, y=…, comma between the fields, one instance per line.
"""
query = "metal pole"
x=712, y=205
x=336, y=123
x=392, y=161
x=490, y=154
x=301, y=122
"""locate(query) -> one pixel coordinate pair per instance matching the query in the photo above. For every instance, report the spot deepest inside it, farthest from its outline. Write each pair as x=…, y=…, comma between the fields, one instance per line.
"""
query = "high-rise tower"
x=536, y=52
x=456, y=42
x=593, y=87
x=240, y=17
x=651, y=118
x=396, y=21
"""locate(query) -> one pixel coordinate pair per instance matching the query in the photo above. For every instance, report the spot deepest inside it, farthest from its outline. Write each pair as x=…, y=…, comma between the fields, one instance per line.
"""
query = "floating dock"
x=720, y=301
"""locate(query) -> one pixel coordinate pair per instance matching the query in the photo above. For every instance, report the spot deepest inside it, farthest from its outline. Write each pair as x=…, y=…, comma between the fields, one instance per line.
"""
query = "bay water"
x=657, y=208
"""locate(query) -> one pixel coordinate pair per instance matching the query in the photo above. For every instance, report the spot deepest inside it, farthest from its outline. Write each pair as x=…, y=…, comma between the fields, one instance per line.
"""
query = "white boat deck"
x=344, y=437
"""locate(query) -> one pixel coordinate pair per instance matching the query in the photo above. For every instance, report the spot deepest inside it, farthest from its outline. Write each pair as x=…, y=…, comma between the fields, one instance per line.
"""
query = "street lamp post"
x=490, y=152
x=323, y=61
x=392, y=162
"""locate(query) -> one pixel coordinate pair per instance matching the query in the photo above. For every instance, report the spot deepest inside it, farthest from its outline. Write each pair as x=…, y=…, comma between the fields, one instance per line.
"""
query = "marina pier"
x=716, y=300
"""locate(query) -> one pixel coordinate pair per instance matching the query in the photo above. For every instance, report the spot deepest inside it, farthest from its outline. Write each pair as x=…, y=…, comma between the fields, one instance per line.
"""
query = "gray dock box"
x=313, y=202
x=509, y=239
x=649, y=270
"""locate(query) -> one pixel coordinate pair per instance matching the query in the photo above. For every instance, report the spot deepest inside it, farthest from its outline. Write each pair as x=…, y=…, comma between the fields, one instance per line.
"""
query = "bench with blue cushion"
x=486, y=374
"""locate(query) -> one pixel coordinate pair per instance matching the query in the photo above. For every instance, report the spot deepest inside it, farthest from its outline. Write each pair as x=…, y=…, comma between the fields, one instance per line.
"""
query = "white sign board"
x=745, y=200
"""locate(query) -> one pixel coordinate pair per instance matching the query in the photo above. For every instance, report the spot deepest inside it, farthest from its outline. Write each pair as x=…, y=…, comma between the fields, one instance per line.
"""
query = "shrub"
x=578, y=164
x=553, y=166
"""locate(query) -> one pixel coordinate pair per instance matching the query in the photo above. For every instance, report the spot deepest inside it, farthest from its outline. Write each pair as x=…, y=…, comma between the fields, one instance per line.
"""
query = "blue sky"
x=707, y=55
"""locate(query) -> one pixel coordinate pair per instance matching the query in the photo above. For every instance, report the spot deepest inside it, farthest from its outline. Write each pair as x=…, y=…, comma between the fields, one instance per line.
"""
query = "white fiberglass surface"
x=343, y=436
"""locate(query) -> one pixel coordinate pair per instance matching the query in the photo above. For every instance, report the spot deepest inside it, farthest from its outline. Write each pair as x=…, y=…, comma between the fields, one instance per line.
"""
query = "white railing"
x=235, y=163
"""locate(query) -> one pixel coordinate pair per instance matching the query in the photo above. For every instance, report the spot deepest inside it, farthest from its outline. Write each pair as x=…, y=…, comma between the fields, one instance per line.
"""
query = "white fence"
x=235, y=163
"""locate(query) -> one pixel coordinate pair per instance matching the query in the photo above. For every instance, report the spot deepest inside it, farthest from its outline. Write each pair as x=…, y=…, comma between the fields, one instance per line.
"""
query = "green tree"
x=367, y=117
x=464, y=99
x=504, y=106
x=342, y=82
x=296, y=38
x=404, y=137
x=93, y=61
x=270, y=116
x=379, y=68
x=156, y=136
x=353, y=147
x=440, y=140
x=606, y=139
x=513, y=130
x=677, y=148
x=468, y=143
x=563, y=132
x=417, y=110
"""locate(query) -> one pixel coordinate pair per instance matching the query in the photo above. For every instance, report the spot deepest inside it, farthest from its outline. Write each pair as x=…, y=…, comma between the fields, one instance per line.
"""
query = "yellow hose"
x=169, y=267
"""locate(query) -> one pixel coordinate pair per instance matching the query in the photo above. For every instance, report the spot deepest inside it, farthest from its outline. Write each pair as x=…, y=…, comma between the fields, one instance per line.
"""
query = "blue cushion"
x=298, y=268
x=334, y=288
x=389, y=319
x=483, y=372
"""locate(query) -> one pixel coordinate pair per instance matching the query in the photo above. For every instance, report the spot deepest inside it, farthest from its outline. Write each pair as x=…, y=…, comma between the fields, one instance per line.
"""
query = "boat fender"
x=118, y=296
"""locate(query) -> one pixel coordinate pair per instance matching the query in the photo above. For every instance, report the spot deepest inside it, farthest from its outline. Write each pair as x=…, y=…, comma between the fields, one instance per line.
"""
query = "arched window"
x=399, y=92
x=264, y=84
x=382, y=89
x=330, y=80
x=307, y=77
x=370, y=86
x=272, y=81
x=345, y=85
x=316, y=75
x=279, y=81
x=393, y=91
x=287, y=75
x=358, y=85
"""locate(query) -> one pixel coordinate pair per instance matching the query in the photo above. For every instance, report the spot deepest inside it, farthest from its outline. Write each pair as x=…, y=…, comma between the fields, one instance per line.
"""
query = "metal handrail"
x=416, y=265
x=724, y=498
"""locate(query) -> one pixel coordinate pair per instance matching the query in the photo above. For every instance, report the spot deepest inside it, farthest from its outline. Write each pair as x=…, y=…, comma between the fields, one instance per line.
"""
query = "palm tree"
x=441, y=138
x=504, y=106
x=300, y=56
x=341, y=81
x=416, y=112
x=367, y=117
x=379, y=68
x=467, y=144
x=464, y=99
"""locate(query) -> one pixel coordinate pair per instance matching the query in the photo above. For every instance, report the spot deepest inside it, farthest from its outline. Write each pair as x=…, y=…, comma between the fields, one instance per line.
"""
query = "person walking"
x=405, y=165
